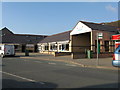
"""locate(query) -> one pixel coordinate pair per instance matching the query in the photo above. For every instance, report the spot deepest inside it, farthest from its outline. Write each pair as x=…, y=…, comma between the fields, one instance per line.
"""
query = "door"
x=12, y=50
x=23, y=48
x=36, y=48
x=106, y=46
x=7, y=50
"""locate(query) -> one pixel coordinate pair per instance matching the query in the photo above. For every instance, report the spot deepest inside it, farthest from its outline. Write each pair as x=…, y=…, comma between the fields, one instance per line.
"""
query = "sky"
x=47, y=18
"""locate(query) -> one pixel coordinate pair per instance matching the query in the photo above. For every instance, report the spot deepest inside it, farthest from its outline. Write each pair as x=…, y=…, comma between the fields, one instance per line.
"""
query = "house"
x=83, y=37
x=21, y=41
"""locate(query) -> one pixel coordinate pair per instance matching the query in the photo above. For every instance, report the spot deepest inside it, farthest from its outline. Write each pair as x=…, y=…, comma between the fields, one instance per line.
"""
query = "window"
x=60, y=47
x=53, y=47
x=64, y=47
x=119, y=51
x=46, y=47
x=16, y=46
x=67, y=47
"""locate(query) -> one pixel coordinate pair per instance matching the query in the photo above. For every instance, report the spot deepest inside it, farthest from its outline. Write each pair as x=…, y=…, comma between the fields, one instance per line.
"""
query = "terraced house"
x=76, y=42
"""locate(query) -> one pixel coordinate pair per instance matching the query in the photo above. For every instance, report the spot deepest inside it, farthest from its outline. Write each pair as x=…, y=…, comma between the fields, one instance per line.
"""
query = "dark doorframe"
x=106, y=46
x=36, y=48
x=23, y=48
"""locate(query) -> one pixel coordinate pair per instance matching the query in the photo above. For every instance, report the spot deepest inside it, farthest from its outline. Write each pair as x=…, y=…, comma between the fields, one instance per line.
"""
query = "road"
x=29, y=73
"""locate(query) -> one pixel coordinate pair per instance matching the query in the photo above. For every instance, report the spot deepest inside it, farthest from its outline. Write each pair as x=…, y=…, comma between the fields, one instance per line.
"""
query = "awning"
x=116, y=37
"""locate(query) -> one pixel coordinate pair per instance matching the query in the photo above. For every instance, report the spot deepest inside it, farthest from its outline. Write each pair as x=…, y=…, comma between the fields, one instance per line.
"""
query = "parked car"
x=6, y=50
x=116, y=57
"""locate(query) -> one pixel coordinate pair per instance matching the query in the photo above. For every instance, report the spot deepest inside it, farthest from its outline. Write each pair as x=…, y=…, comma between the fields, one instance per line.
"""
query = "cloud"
x=111, y=8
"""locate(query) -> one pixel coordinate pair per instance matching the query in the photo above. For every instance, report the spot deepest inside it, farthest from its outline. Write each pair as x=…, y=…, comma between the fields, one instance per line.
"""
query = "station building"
x=76, y=42
x=20, y=41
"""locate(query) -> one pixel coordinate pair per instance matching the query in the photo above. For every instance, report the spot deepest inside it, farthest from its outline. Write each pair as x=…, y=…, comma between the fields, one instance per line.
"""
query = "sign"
x=115, y=37
x=100, y=35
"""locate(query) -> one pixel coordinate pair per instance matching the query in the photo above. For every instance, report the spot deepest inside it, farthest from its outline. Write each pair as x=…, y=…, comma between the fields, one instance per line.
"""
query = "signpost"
x=99, y=36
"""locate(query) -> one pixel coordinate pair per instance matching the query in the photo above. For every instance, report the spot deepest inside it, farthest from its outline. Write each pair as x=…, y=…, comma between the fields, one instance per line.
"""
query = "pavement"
x=103, y=63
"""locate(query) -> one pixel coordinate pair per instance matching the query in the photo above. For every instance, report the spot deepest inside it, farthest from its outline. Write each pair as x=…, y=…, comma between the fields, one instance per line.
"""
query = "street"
x=30, y=73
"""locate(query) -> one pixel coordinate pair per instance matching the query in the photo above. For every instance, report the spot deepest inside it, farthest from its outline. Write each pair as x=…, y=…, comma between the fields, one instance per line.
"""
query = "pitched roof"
x=96, y=26
x=30, y=35
x=6, y=31
x=57, y=37
x=9, y=37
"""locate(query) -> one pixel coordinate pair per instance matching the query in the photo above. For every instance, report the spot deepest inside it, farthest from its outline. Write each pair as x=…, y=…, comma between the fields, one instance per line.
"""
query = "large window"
x=53, y=47
x=46, y=47
x=64, y=47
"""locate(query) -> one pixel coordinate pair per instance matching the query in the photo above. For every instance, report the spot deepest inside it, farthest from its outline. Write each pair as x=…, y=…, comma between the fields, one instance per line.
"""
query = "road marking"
x=38, y=61
x=52, y=63
x=25, y=60
x=22, y=77
x=71, y=65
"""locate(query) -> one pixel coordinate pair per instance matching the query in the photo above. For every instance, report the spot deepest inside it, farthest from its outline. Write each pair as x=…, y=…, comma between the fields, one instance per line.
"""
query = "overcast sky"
x=54, y=17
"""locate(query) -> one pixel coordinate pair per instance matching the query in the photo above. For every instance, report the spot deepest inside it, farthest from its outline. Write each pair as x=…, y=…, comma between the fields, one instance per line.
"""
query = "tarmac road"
x=29, y=73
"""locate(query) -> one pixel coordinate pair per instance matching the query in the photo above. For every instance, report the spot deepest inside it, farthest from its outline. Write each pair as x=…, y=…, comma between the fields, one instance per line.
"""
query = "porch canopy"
x=116, y=37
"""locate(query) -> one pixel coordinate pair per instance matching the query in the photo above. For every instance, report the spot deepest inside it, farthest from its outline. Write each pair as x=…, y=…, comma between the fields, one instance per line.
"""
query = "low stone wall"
x=102, y=55
x=45, y=52
x=78, y=55
x=62, y=53
x=94, y=55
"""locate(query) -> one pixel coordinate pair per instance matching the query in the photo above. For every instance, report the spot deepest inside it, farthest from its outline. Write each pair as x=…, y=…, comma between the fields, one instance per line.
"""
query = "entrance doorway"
x=23, y=48
x=106, y=46
x=35, y=48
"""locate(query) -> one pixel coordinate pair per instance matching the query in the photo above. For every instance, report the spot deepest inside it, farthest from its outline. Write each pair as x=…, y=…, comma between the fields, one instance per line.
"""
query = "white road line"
x=25, y=60
x=70, y=65
x=38, y=61
x=22, y=77
x=52, y=63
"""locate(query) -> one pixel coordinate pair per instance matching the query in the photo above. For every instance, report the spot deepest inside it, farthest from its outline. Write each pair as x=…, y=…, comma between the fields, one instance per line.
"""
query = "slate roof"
x=102, y=27
x=64, y=36
x=9, y=37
